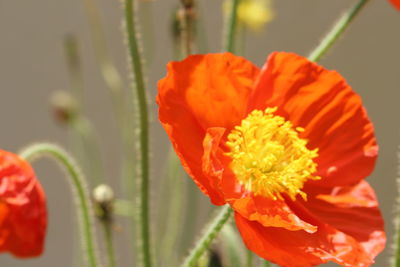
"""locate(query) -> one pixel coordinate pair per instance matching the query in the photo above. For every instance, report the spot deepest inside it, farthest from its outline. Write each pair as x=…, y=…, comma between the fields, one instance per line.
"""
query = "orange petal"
x=270, y=213
x=395, y=3
x=23, y=213
x=352, y=210
x=299, y=248
x=200, y=92
x=212, y=88
x=4, y=230
x=323, y=103
x=212, y=165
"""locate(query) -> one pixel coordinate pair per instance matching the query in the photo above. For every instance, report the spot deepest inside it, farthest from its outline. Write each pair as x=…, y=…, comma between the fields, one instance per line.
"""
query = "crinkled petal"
x=299, y=248
x=270, y=213
x=23, y=213
x=212, y=166
x=352, y=210
x=332, y=114
x=202, y=92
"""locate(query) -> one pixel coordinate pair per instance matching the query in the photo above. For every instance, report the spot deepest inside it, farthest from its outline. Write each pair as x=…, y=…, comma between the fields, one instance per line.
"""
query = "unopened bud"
x=175, y=25
x=64, y=106
x=187, y=3
x=103, y=197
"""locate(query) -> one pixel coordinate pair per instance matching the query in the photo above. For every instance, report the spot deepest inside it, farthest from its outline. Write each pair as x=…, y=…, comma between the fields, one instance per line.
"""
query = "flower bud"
x=64, y=106
x=103, y=197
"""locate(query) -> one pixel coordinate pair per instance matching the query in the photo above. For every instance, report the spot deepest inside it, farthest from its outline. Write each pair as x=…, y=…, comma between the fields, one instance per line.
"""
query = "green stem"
x=114, y=82
x=110, y=73
x=74, y=67
x=143, y=159
x=205, y=241
x=79, y=183
x=171, y=209
x=233, y=246
x=395, y=259
x=89, y=147
x=109, y=243
x=267, y=264
x=249, y=257
x=337, y=30
x=231, y=26
x=186, y=21
x=83, y=138
x=191, y=207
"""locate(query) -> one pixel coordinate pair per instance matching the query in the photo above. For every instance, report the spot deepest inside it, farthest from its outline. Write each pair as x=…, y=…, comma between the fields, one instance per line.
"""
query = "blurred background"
x=33, y=65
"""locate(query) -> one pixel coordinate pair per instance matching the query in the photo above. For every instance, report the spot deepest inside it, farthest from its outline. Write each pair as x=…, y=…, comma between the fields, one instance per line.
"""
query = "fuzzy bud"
x=64, y=107
x=103, y=197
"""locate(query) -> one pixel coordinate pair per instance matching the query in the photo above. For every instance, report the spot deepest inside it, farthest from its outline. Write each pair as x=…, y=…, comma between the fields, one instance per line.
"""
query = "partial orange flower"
x=287, y=146
x=23, y=214
x=395, y=3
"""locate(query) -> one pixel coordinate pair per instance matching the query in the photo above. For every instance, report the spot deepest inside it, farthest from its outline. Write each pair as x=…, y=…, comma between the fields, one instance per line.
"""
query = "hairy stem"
x=143, y=158
x=205, y=241
x=80, y=190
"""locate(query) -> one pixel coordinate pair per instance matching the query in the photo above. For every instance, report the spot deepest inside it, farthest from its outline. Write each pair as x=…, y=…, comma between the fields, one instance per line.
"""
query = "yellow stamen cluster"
x=268, y=156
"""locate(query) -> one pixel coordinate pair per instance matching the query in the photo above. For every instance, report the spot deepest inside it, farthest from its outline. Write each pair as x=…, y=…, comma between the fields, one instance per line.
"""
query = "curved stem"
x=231, y=25
x=205, y=241
x=143, y=159
x=336, y=31
x=83, y=138
x=79, y=184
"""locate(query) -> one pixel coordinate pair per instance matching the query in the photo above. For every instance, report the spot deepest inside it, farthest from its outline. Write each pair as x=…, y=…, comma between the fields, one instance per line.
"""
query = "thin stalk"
x=202, y=45
x=232, y=246
x=191, y=211
x=83, y=138
x=171, y=209
x=143, y=159
x=249, y=258
x=337, y=30
x=186, y=26
x=267, y=264
x=395, y=259
x=230, y=28
x=107, y=227
x=90, y=150
x=77, y=87
x=114, y=82
x=74, y=67
x=205, y=241
x=79, y=184
x=109, y=72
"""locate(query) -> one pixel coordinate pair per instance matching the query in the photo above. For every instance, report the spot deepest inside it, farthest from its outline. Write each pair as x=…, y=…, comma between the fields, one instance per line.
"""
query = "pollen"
x=269, y=158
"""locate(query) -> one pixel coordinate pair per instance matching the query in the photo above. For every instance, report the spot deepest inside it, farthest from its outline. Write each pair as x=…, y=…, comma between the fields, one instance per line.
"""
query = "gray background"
x=32, y=66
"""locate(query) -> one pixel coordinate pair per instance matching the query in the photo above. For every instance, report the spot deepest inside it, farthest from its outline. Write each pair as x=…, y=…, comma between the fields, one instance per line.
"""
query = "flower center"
x=268, y=156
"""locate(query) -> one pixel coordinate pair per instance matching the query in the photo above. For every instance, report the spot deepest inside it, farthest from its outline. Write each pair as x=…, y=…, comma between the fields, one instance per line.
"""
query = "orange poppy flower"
x=287, y=146
x=395, y=3
x=23, y=214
